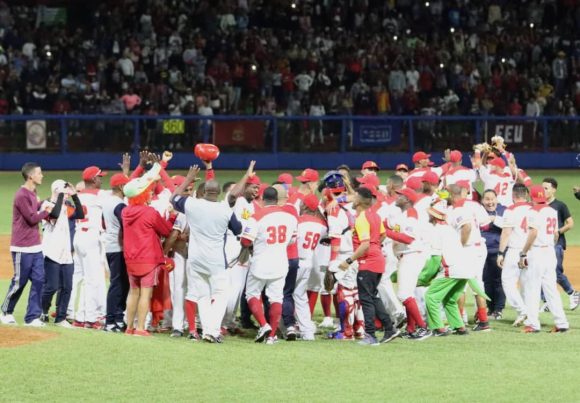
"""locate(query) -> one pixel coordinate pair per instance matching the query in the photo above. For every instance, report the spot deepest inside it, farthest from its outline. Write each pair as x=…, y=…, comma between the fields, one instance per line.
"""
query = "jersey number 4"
x=311, y=240
x=276, y=234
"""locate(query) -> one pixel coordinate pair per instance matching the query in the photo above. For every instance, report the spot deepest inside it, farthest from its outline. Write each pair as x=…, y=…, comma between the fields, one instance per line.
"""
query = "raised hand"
x=126, y=164
x=192, y=173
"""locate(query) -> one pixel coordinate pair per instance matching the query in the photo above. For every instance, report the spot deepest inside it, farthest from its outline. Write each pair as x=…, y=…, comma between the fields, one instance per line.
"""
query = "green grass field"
x=500, y=366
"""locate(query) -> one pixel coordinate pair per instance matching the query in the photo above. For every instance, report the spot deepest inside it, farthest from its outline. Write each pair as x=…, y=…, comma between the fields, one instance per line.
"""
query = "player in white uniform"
x=207, y=282
x=89, y=263
x=311, y=229
x=495, y=177
x=458, y=172
x=270, y=230
x=513, y=237
x=242, y=199
x=538, y=262
x=388, y=211
x=412, y=252
x=466, y=217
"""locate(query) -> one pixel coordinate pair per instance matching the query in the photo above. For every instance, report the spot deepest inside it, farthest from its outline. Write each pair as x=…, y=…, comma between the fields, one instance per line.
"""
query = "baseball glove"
x=244, y=256
x=329, y=280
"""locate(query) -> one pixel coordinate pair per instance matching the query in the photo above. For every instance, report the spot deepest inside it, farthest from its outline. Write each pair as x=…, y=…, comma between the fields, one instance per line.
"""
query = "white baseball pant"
x=274, y=288
x=210, y=293
x=236, y=276
x=385, y=288
x=510, y=277
x=409, y=268
x=477, y=255
x=541, y=274
x=88, y=249
x=177, y=286
x=301, y=306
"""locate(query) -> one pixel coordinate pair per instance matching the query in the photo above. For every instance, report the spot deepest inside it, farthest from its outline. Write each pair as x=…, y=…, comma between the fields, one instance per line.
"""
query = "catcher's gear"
x=329, y=280
x=334, y=181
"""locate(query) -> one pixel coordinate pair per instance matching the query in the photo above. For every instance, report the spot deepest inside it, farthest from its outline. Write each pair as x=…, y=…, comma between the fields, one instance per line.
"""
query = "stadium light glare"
x=531, y=25
x=441, y=65
x=293, y=5
x=427, y=4
x=503, y=59
x=395, y=37
x=452, y=30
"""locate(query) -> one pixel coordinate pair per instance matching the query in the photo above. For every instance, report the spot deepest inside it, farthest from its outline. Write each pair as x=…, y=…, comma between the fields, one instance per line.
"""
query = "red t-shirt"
x=369, y=227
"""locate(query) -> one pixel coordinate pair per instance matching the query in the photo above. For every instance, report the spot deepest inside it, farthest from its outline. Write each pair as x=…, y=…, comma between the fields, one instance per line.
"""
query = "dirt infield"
x=17, y=336
x=571, y=262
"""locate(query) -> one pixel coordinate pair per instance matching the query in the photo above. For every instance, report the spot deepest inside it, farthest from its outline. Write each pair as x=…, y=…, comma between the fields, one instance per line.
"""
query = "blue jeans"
x=561, y=277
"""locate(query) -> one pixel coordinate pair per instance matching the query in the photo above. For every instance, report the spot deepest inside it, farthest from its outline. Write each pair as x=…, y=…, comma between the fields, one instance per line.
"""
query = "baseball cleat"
x=44, y=317
x=263, y=332
x=482, y=327
x=291, y=333
x=93, y=325
x=460, y=332
x=574, y=300
x=441, y=332
x=76, y=323
x=64, y=324
x=369, y=341
x=420, y=334
x=544, y=307
x=338, y=335
x=497, y=315
x=556, y=329
x=400, y=320
x=390, y=336
x=35, y=323
x=112, y=328
x=308, y=337
x=327, y=322
x=529, y=329
x=519, y=320
x=208, y=338
x=8, y=319
x=272, y=340
x=129, y=332
x=194, y=336
x=141, y=333
x=176, y=333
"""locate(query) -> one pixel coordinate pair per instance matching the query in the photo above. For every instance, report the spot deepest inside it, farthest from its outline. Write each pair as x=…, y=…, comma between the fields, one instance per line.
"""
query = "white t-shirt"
x=271, y=230
x=208, y=222
x=545, y=219
x=516, y=217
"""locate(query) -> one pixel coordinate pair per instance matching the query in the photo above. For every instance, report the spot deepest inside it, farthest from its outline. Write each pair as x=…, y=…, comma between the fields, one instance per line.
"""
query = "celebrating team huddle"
x=400, y=258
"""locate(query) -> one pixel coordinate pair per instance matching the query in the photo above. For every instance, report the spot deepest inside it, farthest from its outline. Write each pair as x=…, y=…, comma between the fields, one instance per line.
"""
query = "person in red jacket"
x=142, y=229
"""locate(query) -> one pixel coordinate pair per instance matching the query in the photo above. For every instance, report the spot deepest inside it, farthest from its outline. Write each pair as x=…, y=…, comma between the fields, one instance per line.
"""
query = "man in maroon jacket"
x=26, y=249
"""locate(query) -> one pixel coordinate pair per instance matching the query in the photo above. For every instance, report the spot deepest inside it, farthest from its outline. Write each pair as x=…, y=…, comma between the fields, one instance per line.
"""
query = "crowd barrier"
x=280, y=142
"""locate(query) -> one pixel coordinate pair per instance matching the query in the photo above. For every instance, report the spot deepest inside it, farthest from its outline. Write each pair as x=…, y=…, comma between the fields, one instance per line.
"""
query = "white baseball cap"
x=58, y=186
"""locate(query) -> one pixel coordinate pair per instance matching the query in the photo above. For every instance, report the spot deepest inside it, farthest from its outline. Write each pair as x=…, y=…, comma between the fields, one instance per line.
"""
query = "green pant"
x=444, y=291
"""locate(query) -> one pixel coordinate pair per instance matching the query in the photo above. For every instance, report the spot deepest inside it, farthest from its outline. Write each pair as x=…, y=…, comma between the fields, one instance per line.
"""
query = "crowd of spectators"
x=283, y=57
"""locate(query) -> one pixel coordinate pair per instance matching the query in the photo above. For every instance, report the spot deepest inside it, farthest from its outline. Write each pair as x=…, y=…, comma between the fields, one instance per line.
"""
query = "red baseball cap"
x=402, y=167
x=538, y=194
x=430, y=177
x=92, y=172
x=311, y=201
x=370, y=180
x=497, y=162
x=285, y=178
x=308, y=175
x=464, y=184
x=178, y=179
x=420, y=155
x=118, y=180
x=455, y=156
x=253, y=180
x=414, y=183
x=408, y=193
x=370, y=165
x=372, y=189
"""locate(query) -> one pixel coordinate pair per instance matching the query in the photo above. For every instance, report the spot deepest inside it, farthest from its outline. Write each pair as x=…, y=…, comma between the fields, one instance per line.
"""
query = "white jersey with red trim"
x=271, y=229
x=340, y=225
x=92, y=201
x=419, y=172
x=447, y=244
x=545, y=219
x=389, y=212
x=516, y=217
x=310, y=231
x=461, y=173
x=161, y=203
x=502, y=184
x=408, y=224
x=469, y=212
x=422, y=205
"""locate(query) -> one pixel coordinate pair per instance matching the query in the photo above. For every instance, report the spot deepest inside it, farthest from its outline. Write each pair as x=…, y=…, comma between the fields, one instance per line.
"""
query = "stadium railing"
x=283, y=139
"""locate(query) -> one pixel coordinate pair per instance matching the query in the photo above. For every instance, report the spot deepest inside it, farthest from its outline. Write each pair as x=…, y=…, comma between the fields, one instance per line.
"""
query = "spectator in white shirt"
x=317, y=109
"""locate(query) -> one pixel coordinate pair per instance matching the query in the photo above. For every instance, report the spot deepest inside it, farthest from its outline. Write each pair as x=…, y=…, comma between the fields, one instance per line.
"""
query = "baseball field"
x=503, y=365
